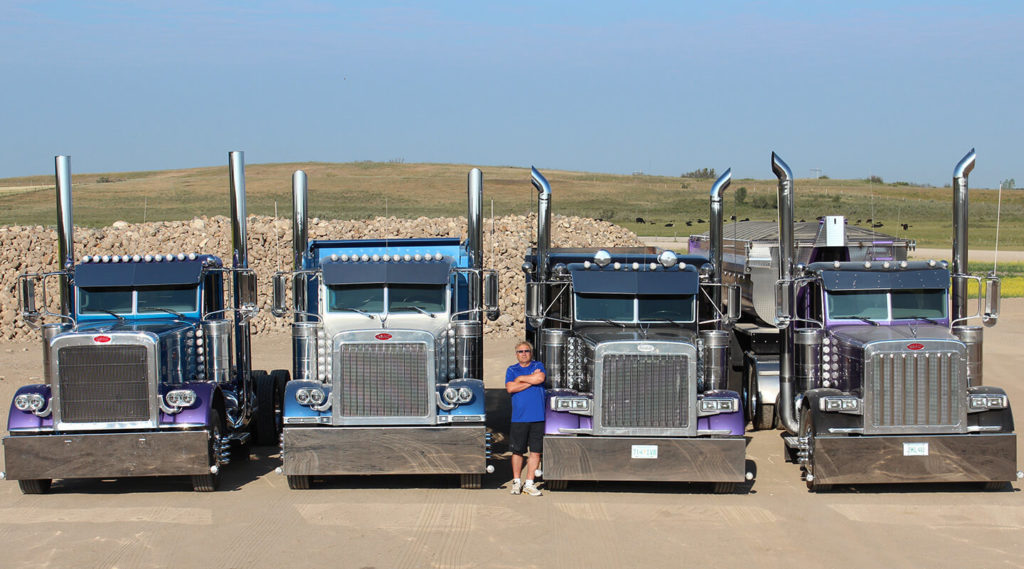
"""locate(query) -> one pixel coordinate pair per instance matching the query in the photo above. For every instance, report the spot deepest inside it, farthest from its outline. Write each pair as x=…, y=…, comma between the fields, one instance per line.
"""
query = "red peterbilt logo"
x=101, y=339
x=383, y=336
x=915, y=346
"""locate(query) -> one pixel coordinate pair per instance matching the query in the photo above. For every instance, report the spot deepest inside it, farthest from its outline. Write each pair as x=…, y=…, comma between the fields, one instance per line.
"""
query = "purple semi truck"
x=146, y=369
x=636, y=357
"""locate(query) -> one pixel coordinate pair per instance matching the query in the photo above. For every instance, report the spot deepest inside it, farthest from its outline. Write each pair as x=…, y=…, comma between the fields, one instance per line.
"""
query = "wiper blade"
x=112, y=313
x=357, y=311
x=866, y=320
x=169, y=311
x=610, y=321
x=416, y=308
x=680, y=324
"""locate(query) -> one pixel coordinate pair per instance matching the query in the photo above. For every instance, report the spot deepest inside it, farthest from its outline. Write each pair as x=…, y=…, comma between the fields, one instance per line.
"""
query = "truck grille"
x=383, y=380
x=913, y=391
x=644, y=391
x=103, y=384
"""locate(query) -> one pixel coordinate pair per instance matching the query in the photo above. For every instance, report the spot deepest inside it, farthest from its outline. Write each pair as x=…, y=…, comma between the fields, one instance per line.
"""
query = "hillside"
x=363, y=190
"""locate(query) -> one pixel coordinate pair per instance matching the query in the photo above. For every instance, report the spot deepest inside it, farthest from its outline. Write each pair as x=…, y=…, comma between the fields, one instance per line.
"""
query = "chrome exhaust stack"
x=960, y=174
x=786, y=410
x=240, y=260
x=543, y=222
x=475, y=239
x=300, y=240
x=717, y=223
x=65, y=230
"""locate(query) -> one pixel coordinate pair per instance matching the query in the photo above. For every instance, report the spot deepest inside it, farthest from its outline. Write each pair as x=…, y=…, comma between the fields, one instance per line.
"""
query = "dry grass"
x=360, y=190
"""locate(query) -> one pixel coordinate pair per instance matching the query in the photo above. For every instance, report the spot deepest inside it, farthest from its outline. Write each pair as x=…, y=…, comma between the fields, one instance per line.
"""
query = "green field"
x=359, y=190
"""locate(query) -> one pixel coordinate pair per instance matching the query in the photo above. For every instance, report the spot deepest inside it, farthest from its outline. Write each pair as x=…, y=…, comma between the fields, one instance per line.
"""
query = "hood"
x=863, y=334
x=656, y=333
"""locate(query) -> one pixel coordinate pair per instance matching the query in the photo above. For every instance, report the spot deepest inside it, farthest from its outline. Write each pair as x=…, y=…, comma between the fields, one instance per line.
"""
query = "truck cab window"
x=661, y=308
x=598, y=307
x=176, y=298
x=873, y=305
x=429, y=298
x=105, y=300
x=918, y=303
x=345, y=298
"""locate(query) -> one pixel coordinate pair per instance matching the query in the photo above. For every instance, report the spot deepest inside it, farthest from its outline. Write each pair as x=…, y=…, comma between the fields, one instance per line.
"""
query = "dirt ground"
x=404, y=522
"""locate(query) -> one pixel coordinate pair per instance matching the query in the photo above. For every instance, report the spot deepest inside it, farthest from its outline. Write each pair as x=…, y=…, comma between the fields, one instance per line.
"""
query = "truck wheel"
x=724, y=488
x=764, y=417
x=298, y=481
x=267, y=402
x=470, y=481
x=38, y=486
x=209, y=482
x=556, y=484
x=990, y=486
x=807, y=430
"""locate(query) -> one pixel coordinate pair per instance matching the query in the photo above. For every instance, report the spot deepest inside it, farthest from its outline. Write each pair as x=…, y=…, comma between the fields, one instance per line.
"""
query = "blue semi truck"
x=146, y=369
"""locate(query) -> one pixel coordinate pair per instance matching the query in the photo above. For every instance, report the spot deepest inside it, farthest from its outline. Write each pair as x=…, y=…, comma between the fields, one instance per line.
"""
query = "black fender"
x=823, y=420
x=1002, y=418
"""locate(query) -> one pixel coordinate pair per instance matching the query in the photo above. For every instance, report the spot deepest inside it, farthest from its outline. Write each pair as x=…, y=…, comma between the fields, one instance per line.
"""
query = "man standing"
x=524, y=380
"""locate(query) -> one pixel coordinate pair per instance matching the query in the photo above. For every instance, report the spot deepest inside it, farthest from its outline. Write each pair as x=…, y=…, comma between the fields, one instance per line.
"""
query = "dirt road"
x=397, y=522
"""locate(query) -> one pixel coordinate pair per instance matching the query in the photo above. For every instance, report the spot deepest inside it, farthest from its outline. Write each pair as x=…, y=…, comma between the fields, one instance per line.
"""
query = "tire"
x=470, y=481
x=267, y=425
x=210, y=481
x=807, y=430
x=37, y=486
x=556, y=484
x=994, y=486
x=764, y=417
x=724, y=488
x=298, y=481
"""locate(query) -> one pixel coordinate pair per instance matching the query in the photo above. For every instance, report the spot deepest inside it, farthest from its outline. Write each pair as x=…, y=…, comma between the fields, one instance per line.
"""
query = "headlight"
x=317, y=396
x=984, y=402
x=181, y=398
x=840, y=404
x=29, y=402
x=579, y=405
x=302, y=396
x=451, y=395
x=465, y=395
x=718, y=405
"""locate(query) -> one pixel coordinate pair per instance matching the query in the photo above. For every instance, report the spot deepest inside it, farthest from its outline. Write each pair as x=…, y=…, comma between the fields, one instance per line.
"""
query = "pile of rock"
x=26, y=249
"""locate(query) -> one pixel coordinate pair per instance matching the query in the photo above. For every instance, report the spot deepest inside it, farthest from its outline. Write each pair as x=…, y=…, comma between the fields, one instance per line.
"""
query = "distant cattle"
x=641, y=220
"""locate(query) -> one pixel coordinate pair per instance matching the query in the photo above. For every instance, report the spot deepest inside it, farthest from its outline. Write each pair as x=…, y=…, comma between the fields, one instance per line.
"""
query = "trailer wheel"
x=209, y=482
x=764, y=417
x=298, y=481
x=267, y=402
x=37, y=486
x=471, y=481
x=556, y=484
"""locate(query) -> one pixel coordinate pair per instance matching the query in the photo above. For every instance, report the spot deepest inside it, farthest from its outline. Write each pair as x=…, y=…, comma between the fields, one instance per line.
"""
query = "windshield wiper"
x=866, y=320
x=112, y=313
x=680, y=324
x=610, y=321
x=357, y=311
x=929, y=320
x=416, y=308
x=169, y=311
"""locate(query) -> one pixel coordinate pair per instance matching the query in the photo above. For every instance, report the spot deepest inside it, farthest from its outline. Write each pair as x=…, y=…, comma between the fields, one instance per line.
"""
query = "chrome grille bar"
x=383, y=380
x=103, y=384
x=645, y=391
x=915, y=391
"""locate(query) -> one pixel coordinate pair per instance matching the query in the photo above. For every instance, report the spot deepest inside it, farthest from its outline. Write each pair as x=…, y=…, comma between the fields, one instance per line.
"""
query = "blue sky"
x=900, y=90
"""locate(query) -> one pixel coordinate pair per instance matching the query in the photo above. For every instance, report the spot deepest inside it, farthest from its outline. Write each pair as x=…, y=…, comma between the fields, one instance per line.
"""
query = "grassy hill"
x=359, y=190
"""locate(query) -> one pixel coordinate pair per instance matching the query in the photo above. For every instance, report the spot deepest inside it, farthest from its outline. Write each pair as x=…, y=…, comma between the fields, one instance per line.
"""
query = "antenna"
x=999, y=207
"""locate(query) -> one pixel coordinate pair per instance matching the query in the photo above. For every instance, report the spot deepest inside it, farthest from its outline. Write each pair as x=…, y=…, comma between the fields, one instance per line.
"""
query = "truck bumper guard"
x=645, y=459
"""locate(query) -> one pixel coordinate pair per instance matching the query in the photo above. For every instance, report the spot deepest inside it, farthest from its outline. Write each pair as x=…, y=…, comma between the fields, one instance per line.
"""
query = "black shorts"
x=523, y=434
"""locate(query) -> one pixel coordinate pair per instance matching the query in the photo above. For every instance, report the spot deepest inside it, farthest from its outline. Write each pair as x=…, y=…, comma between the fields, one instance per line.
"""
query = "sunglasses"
x=522, y=351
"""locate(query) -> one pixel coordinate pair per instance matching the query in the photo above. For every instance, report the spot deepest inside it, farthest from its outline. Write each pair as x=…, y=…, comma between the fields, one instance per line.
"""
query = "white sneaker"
x=517, y=487
x=532, y=490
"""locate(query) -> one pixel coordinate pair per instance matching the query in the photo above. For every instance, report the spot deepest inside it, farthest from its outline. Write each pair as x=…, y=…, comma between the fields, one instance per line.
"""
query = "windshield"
x=886, y=305
x=398, y=298
x=125, y=300
x=620, y=308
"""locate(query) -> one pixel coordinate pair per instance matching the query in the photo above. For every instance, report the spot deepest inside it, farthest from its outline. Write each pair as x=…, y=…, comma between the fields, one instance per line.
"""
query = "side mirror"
x=280, y=282
x=491, y=296
x=993, y=291
x=27, y=299
x=246, y=281
x=735, y=302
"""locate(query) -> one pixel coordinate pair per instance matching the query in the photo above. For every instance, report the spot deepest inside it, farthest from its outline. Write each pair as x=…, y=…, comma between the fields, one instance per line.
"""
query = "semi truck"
x=147, y=371
x=880, y=369
x=387, y=338
x=636, y=349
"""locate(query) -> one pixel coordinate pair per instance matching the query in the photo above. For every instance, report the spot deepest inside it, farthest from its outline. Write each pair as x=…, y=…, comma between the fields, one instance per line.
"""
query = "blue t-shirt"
x=528, y=404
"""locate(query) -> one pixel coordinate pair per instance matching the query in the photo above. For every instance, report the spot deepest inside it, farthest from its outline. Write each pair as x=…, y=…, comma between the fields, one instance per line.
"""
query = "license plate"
x=645, y=451
x=915, y=449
